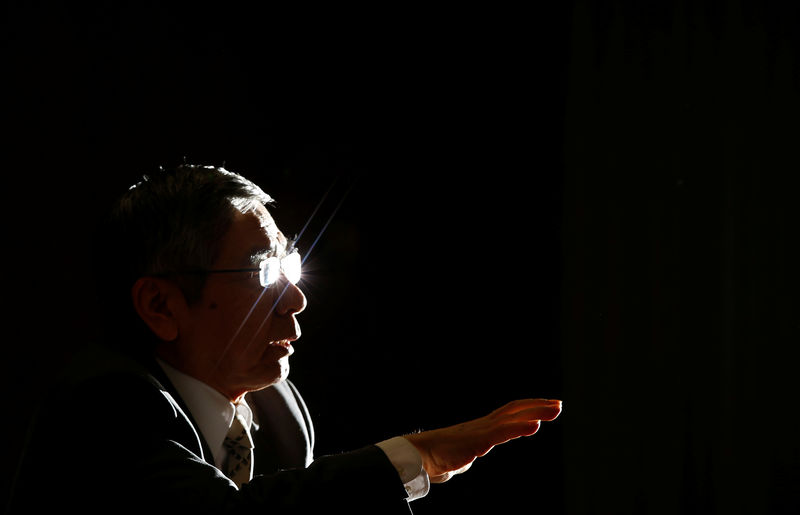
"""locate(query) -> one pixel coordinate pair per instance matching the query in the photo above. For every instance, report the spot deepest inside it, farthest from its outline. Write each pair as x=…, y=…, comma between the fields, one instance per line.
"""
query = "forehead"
x=250, y=233
x=265, y=222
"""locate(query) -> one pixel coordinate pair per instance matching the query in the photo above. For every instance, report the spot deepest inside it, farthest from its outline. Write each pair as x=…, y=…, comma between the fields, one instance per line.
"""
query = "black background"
x=593, y=201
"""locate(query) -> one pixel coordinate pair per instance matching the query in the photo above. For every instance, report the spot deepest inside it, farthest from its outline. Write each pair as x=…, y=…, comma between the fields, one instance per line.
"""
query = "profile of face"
x=237, y=337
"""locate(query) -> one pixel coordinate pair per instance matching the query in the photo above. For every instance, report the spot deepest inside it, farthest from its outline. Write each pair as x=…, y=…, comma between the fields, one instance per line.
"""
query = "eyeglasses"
x=270, y=269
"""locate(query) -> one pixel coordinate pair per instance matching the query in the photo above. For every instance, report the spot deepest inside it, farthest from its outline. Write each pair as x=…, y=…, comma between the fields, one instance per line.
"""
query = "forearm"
x=358, y=482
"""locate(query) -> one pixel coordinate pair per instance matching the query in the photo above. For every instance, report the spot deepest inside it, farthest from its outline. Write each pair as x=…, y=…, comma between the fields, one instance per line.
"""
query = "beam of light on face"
x=286, y=287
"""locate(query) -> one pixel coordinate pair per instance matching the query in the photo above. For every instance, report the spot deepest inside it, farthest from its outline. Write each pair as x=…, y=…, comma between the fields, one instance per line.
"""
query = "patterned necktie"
x=239, y=465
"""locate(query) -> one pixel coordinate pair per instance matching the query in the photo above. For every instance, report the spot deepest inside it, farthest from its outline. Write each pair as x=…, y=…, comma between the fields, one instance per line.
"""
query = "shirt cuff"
x=408, y=463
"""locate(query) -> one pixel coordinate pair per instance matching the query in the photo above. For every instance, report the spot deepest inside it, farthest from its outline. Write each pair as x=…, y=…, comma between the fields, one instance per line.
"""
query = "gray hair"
x=179, y=216
x=170, y=221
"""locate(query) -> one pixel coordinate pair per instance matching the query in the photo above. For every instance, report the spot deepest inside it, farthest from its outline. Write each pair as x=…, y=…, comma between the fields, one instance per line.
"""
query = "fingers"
x=503, y=433
x=546, y=413
x=449, y=451
x=521, y=418
x=525, y=404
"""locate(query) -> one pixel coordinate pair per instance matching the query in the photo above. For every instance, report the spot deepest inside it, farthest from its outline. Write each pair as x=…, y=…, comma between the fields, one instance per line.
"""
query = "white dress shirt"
x=212, y=411
x=214, y=414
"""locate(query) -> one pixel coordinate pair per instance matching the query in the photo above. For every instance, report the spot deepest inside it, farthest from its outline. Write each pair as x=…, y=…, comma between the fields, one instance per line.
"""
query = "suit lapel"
x=284, y=438
x=166, y=385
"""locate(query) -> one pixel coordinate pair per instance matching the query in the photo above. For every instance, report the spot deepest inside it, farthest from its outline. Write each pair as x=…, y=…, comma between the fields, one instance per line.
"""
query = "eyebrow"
x=259, y=253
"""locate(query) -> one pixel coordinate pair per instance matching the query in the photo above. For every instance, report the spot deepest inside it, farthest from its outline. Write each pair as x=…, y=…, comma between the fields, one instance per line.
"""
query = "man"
x=187, y=406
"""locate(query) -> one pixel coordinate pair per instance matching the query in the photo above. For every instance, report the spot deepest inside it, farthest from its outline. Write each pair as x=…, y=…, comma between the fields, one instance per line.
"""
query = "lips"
x=285, y=344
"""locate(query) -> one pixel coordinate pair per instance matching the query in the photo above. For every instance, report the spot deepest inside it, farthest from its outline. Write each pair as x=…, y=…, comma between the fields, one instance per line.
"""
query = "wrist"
x=407, y=461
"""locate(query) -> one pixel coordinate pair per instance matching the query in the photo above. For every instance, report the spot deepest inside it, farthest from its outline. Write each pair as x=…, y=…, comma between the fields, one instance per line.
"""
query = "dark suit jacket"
x=282, y=429
x=115, y=437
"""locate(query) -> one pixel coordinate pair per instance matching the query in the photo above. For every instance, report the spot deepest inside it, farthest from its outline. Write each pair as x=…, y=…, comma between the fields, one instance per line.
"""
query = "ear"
x=159, y=303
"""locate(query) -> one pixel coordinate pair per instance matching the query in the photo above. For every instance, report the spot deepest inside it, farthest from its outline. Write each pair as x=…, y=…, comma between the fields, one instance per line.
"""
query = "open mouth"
x=286, y=344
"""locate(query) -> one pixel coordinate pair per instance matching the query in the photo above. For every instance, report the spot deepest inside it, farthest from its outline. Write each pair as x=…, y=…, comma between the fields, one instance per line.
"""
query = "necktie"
x=239, y=465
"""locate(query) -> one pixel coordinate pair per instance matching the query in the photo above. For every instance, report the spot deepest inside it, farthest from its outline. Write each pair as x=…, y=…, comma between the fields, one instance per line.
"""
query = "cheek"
x=216, y=323
x=249, y=322
x=236, y=320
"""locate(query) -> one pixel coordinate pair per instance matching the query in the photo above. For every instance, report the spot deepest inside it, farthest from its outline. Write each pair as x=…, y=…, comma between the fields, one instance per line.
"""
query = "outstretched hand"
x=451, y=450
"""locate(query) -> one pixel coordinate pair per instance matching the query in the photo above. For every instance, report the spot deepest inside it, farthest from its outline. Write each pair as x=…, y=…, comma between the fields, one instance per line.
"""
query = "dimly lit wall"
x=680, y=248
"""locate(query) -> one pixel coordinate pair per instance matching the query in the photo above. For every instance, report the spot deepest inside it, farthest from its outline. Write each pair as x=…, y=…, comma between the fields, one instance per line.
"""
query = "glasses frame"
x=262, y=269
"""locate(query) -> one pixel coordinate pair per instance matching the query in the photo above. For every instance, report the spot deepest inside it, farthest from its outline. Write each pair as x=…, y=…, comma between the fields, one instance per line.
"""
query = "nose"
x=292, y=301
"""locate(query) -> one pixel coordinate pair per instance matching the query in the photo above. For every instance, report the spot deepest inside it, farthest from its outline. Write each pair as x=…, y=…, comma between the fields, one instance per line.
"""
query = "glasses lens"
x=270, y=271
x=291, y=267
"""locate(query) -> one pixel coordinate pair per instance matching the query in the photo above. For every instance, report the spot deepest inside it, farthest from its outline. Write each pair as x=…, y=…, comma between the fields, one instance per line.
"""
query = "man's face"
x=236, y=337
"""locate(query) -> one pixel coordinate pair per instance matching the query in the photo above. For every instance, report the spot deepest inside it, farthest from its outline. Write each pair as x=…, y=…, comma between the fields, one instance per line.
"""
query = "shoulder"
x=102, y=386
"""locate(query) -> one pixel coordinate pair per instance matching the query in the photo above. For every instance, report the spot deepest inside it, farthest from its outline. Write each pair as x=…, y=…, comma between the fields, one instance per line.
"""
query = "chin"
x=278, y=371
x=271, y=374
x=283, y=364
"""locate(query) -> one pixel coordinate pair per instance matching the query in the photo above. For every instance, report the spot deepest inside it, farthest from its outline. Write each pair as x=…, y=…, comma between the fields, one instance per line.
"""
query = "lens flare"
x=270, y=271
x=291, y=265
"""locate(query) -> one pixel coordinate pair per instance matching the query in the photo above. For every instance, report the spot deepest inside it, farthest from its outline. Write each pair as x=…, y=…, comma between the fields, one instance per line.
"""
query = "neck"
x=207, y=375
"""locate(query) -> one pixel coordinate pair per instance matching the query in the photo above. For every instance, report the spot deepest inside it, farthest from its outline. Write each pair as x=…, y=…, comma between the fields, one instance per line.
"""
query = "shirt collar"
x=212, y=411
